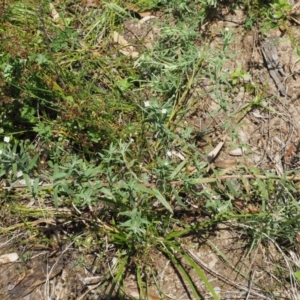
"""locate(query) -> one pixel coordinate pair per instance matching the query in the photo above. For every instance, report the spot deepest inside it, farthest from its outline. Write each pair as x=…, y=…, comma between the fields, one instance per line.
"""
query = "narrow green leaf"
x=35, y=185
x=131, y=163
x=108, y=193
x=162, y=200
x=119, y=238
x=55, y=196
x=139, y=280
x=178, y=265
x=225, y=259
x=175, y=234
x=119, y=275
x=231, y=184
x=199, y=271
x=297, y=275
x=246, y=184
x=262, y=188
x=28, y=182
x=178, y=199
x=155, y=192
x=144, y=189
x=178, y=169
x=14, y=149
x=33, y=162
x=59, y=176
x=15, y=169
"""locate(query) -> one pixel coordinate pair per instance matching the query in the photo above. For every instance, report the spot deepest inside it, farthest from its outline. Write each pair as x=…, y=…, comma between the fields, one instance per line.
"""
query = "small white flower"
x=6, y=139
x=226, y=29
x=169, y=153
x=163, y=111
x=147, y=104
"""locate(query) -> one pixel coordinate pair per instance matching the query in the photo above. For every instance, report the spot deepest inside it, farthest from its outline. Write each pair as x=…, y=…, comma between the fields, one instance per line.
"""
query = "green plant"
x=239, y=74
x=96, y=139
x=280, y=9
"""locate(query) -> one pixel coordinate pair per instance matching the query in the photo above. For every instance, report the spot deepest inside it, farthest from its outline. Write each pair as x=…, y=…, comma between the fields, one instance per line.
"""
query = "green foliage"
x=268, y=14
x=113, y=134
x=280, y=9
x=48, y=86
x=239, y=74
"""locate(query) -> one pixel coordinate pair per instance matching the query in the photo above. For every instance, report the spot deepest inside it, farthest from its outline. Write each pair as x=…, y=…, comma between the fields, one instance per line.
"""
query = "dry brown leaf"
x=83, y=45
x=132, y=54
x=144, y=13
x=8, y=258
x=36, y=277
x=96, y=53
x=90, y=3
x=177, y=154
x=146, y=19
x=213, y=154
x=237, y=152
x=242, y=206
x=134, y=293
x=56, y=18
x=258, y=115
x=127, y=49
x=19, y=279
x=44, y=220
x=252, y=209
x=278, y=164
x=54, y=14
x=239, y=204
x=191, y=169
x=289, y=153
x=224, y=164
x=118, y=38
x=135, y=10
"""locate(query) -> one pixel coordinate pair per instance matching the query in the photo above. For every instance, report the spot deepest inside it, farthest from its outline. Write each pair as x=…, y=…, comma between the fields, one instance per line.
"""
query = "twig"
x=90, y=288
x=239, y=22
x=226, y=280
x=250, y=286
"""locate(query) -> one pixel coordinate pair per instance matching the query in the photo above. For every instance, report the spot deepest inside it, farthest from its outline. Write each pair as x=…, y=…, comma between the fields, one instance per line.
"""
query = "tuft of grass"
x=95, y=138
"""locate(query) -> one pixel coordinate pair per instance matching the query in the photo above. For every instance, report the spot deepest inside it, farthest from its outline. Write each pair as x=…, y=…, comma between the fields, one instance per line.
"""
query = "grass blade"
x=155, y=192
x=118, y=276
x=178, y=265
